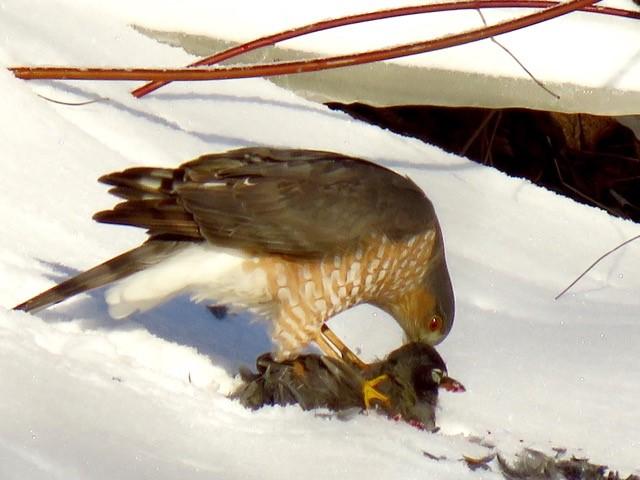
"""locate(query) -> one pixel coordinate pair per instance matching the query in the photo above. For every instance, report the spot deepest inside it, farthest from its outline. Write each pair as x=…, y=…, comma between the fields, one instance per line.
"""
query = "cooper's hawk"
x=296, y=236
x=408, y=380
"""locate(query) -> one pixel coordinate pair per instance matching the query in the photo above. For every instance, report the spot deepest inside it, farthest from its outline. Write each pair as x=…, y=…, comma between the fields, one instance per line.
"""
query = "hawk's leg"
x=332, y=346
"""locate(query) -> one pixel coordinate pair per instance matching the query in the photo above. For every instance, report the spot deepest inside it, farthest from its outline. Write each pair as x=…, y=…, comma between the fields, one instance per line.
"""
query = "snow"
x=85, y=396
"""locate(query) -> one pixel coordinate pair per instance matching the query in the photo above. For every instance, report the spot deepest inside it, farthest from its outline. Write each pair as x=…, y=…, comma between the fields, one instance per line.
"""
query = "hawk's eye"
x=435, y=323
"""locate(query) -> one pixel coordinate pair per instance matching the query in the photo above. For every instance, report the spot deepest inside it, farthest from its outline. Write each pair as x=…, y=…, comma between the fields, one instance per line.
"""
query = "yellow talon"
x=369, y=392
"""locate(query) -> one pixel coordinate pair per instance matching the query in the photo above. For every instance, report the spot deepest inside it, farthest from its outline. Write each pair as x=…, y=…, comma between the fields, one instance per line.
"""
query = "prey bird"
x=296, y=236
x=407, y=383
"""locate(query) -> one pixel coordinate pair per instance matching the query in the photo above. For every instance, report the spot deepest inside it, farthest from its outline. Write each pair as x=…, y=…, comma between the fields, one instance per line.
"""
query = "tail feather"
x=117, y=268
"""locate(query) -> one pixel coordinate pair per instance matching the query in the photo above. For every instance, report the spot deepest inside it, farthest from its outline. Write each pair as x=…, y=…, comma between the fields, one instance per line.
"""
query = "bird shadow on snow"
x=208, y=137
x=153, y=117
x=239, y=99
x=231, y=341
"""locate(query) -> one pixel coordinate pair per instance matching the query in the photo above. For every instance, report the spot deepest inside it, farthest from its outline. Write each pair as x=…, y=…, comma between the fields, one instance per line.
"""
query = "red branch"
x=372, y=16
x=264, y=70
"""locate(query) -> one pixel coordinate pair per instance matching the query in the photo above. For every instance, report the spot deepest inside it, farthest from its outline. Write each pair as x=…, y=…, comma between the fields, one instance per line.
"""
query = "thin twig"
x=474, y=136
x=72, y=104
x=266, y=70
x=489, y=156
x=626, y=242
x=578, y=192
x=526, y=70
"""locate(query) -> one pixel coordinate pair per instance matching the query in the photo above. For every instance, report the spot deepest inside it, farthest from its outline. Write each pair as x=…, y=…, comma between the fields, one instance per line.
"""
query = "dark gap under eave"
x=592, y=159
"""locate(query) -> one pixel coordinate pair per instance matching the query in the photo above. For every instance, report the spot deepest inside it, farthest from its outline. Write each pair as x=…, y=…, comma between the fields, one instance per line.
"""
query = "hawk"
x=296, y=236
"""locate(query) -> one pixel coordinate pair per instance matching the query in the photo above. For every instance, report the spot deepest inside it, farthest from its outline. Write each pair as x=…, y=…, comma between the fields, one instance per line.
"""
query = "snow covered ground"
x=84, y=396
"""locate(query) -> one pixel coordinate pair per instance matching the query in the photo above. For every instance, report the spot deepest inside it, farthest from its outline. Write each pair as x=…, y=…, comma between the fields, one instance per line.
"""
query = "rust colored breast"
x=307, y=292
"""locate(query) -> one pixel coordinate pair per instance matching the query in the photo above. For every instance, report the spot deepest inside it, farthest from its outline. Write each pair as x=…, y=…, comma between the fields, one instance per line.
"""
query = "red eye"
x=435, y=324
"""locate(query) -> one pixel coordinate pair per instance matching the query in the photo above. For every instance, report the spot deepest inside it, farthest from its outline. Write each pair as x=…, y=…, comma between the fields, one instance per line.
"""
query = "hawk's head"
x=426, y=313
x=439, y=309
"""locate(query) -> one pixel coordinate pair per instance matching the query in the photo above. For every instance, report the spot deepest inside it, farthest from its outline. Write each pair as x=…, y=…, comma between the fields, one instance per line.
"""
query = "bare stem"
x=517, y=60
x=602, y=257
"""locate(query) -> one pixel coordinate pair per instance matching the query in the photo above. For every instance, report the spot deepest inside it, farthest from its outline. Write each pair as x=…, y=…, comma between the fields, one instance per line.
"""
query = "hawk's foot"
x=369, y=392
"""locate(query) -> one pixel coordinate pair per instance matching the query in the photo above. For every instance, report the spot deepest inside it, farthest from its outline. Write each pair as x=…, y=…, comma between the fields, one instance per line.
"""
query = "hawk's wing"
x=293, y=202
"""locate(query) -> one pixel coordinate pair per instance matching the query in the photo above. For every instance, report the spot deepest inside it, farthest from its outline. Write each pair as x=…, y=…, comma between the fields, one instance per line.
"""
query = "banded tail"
x=117, y=268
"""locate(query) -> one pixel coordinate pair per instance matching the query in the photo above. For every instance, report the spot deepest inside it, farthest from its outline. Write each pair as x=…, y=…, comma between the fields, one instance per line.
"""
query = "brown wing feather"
x=294, y=202
x=161, y=217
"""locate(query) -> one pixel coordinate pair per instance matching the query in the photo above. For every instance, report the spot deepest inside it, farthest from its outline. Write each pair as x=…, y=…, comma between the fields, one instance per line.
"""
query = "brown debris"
x=530, y=464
